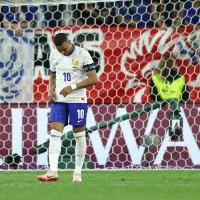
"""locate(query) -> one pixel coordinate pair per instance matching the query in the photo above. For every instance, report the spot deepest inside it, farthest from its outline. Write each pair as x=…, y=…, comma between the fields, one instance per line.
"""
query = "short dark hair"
x=60, y=38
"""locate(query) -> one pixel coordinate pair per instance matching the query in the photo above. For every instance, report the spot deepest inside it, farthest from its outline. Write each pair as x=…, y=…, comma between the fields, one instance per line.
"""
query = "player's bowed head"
x=63, y=44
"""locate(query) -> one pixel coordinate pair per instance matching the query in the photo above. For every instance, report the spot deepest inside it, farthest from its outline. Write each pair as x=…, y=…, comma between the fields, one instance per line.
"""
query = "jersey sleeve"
x=52, y=66
x=88, y=63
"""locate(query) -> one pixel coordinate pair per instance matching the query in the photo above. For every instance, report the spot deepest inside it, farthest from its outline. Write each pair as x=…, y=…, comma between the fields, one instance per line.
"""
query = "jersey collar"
x=72, y=51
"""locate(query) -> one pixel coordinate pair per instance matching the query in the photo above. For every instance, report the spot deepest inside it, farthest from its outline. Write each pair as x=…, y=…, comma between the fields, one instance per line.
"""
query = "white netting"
x=134, y=45
x=47, y=2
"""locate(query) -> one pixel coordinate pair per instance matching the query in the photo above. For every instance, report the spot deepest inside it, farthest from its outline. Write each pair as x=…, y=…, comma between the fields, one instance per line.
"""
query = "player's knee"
x=77, y=129
x=57, y=126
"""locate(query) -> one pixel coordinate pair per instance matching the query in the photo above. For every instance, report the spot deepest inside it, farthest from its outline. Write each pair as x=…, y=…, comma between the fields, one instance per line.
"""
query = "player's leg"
x=58, y=119
x=80, y=151
x=78, y=113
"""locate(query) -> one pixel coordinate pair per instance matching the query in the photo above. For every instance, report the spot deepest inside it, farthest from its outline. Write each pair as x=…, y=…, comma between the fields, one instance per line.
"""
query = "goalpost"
x=126, y=129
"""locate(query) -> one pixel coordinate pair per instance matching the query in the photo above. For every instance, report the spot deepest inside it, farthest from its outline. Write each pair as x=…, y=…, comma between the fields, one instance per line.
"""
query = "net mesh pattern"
x=144, y=110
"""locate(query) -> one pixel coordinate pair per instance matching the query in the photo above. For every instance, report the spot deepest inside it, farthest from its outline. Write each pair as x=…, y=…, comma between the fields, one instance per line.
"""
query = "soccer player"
x=72, y=71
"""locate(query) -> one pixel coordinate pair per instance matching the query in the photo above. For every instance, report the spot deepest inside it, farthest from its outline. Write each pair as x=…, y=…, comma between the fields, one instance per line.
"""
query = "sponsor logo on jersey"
x=57, y=62
x=74, y=69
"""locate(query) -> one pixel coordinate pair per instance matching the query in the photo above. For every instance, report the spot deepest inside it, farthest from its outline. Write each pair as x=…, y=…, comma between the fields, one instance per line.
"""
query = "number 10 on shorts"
x=80, y=114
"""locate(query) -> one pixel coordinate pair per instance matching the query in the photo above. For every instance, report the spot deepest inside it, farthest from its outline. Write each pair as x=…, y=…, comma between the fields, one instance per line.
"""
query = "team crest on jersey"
x=75, y=63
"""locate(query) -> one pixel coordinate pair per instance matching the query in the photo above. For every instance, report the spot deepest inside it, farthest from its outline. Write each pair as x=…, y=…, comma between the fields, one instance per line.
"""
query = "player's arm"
x=52, y=80
x=91, y=80
x=52, y=86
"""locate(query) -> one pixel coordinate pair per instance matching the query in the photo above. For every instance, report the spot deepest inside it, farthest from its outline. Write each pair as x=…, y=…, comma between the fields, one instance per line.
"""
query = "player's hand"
x=65, y=91
x=52, y=96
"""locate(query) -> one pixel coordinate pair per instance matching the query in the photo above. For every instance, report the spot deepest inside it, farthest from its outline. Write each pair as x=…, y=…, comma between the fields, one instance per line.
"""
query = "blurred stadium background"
x=127, y=40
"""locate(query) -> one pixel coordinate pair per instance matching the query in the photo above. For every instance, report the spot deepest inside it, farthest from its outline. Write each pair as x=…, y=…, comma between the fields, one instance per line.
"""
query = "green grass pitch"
x=103, y=185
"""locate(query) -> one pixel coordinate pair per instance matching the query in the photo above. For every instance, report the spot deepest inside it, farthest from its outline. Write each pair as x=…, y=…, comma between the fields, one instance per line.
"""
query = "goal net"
x=145, y=109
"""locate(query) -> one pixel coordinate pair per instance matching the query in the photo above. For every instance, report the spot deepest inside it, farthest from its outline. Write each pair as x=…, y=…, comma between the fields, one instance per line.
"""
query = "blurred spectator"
x=168, y=83
x=101, y=13
x=134, y=13
x=19, y=18
x=51, y=15
x=1, y=18
x=192, y=14
x=68, y=16
x=167, y=13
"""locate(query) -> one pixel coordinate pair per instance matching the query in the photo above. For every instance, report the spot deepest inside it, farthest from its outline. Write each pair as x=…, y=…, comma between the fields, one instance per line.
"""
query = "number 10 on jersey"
x=67, y=76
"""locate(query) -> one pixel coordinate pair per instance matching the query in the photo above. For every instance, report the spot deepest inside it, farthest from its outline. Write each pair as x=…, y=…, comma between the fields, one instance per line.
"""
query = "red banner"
x=126, y=58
